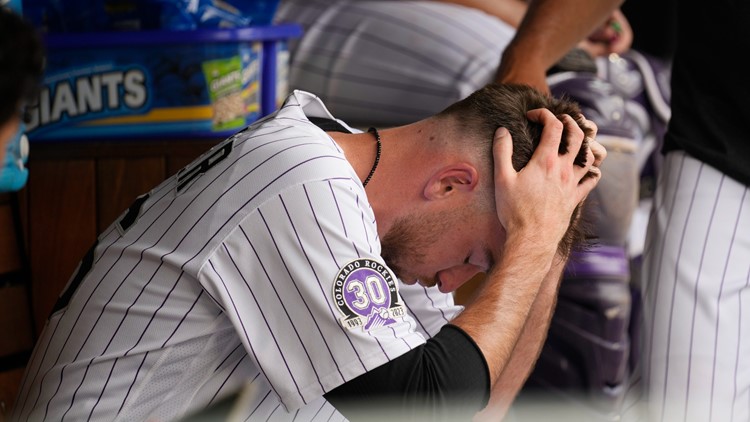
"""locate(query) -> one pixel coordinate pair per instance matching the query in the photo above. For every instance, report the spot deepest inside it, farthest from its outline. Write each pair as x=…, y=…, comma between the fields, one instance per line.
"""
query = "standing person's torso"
x=710, y=86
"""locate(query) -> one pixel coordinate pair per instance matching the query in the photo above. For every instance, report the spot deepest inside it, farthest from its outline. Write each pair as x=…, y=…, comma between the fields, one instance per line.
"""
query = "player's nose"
x=452, y=278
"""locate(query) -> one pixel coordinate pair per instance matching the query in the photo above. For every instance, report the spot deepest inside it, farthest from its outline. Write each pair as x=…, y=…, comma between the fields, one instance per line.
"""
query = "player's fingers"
x=598, y=151
x=588, y=183
x=581, y=170
x=591, y=128
x=574, y=137
x=552, y=129
x=502, y=150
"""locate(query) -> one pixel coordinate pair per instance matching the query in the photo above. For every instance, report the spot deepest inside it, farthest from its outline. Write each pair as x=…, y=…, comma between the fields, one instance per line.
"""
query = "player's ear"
x=450, y=180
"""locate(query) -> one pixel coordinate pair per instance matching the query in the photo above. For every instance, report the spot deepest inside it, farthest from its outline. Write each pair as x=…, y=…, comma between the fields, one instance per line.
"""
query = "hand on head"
x=538, y=201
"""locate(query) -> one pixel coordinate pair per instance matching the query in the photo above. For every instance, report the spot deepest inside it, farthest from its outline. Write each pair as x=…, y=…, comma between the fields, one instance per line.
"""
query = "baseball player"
x=696, y=273
x=696, y=261
x=273, y=262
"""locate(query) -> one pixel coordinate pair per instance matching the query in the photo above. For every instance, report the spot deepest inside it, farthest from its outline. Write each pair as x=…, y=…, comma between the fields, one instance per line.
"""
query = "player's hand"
x=537, y=202
x=614, y=36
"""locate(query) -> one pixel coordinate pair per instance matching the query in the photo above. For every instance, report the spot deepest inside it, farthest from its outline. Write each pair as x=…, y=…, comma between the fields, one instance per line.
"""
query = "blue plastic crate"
x=202, y=83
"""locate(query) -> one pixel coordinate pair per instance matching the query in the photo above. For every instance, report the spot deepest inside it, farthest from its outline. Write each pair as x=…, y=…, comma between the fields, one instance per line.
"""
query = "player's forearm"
x=458, y=374
x=498, y=313
x=549, y=30
x=528, y=348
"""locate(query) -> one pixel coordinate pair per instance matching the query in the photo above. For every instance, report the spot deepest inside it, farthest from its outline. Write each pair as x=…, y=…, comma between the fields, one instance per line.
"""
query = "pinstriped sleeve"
x=303, y=283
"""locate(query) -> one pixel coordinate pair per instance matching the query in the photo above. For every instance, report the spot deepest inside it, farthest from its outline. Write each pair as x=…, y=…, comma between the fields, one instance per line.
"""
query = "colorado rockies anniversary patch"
x=366, y=293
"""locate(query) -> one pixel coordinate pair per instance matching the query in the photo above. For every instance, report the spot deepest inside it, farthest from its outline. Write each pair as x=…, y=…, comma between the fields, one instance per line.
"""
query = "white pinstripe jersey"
x=225, y=274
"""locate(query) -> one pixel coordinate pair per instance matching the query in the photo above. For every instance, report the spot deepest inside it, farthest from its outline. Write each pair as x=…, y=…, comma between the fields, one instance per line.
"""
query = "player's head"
x=21, y=65
x=450, y=244
x=505, y=105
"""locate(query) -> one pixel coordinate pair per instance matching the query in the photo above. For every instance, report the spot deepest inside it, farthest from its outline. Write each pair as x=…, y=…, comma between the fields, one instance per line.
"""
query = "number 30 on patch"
x=366, y=293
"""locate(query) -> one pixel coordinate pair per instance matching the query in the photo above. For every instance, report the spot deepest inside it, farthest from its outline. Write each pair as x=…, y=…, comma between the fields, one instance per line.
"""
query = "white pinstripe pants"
x=696, y=287
x=393, y=62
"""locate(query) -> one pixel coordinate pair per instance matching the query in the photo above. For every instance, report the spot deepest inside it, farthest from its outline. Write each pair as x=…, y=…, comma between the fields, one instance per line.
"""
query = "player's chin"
x=408, y=280
x=427, y=282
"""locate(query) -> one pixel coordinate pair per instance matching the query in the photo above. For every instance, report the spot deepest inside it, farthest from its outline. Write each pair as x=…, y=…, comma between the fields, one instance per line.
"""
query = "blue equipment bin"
x=201, y=83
